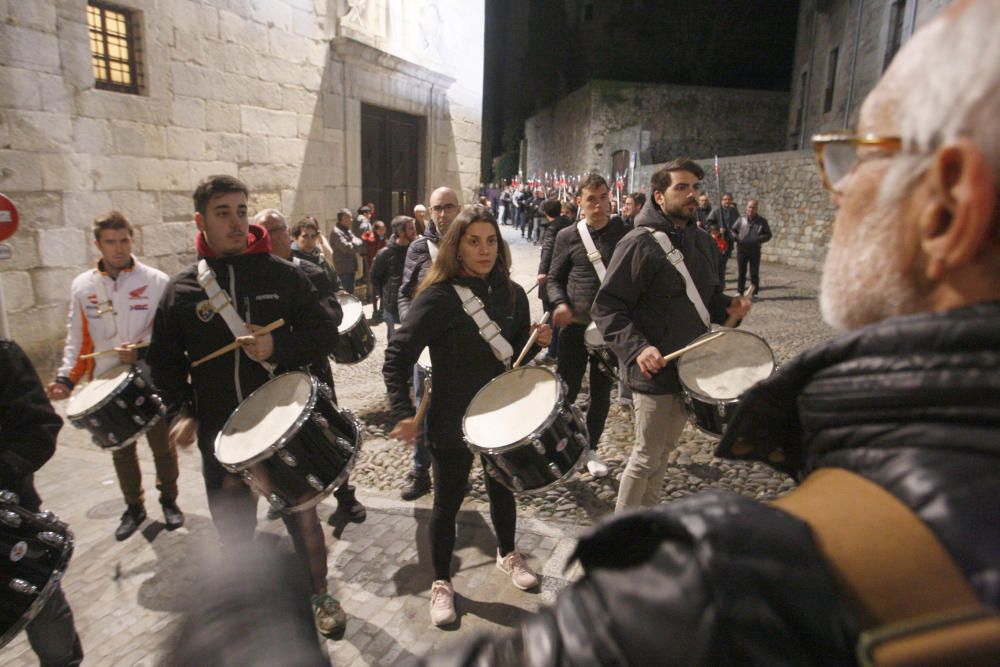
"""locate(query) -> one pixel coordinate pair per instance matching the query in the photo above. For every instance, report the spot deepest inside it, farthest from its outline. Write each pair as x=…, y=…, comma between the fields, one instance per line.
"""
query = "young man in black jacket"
x=751, y=231
x=552, y=210
x=572, y=283
x=261, y=288
x=387, y=269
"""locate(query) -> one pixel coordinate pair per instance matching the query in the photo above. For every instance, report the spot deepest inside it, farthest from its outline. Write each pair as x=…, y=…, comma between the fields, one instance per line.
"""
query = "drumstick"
x=531, y=341
x=731, y=321
x=696, y=344
x=235, y=344
x=422, y=407
x=112, y=350
x=531, y=289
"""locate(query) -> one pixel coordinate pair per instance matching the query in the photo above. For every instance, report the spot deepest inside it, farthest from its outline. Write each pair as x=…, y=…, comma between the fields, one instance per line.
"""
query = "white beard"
x=864, y=280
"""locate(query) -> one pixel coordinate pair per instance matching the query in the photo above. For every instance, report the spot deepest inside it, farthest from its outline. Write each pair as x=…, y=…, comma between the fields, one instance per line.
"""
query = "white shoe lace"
x=441, y=595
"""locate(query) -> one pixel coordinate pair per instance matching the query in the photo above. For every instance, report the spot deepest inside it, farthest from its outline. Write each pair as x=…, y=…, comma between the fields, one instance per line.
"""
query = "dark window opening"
x=588, y=12
x=897, y=11
x=831, y=79
x=114, y=47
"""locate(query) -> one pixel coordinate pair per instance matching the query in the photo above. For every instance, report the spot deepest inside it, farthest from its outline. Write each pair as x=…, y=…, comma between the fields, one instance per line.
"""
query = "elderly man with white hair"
x=888, y=552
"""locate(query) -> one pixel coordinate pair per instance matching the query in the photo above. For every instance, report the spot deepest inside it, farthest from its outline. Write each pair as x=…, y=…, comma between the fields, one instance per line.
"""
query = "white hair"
x=269, y=213
x=957, y=93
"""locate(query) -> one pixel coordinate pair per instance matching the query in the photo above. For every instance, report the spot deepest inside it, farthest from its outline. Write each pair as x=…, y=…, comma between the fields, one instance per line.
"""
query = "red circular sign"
x=8, y=218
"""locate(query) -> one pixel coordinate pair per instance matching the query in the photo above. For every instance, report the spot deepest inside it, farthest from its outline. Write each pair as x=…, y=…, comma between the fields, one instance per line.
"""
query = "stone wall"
x=270, y=92
x=580, y=133
x=790, y=196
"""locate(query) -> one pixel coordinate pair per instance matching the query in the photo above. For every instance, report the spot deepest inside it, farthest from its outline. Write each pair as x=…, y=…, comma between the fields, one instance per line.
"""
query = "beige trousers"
x=659, y=420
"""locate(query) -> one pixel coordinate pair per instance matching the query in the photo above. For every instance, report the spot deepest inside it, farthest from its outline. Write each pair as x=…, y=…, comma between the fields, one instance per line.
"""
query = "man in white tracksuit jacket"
x=134, y=291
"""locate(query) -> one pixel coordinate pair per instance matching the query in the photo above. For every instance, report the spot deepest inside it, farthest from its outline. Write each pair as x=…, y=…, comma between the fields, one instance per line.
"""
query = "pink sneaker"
x=442, y=603
x=520, y=574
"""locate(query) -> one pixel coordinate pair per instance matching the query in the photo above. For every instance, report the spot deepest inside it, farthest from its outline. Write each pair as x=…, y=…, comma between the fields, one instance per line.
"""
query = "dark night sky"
x=538, y=51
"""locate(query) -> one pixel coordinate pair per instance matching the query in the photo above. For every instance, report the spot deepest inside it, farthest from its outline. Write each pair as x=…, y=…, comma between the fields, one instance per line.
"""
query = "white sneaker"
x=442, y=603
x=520, y=574
x=595, y=466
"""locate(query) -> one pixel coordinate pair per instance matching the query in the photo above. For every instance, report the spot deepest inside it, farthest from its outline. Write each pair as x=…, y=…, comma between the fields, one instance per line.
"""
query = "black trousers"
x=451, y=468
x=573, y=361
x=745, y=257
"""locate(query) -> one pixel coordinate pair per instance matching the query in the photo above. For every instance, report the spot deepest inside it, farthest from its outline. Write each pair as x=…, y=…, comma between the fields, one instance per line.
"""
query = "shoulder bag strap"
x=432, y=249
x=593, y=254
x=488, y=329
x=220, y=302
x=913, y=602
x=675, y=257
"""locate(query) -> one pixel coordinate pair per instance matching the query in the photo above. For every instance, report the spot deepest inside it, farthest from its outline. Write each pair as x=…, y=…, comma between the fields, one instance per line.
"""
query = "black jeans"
x=573, y=360
x=751, y=257
x=451, y=468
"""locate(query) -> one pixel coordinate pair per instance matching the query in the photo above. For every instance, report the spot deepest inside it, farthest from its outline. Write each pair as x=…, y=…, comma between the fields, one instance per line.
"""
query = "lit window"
x=114, y=47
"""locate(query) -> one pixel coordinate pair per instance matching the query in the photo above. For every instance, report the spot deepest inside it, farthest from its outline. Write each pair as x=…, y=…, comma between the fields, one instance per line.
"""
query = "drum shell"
x=124, y=415
x=354, y=342
x=41, y=563
x=309, y=462
x=601, y=352
x=544, y=458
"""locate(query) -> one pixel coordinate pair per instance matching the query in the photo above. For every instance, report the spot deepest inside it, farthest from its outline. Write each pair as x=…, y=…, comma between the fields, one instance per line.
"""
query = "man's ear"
x=959, y=218
x=200, y=221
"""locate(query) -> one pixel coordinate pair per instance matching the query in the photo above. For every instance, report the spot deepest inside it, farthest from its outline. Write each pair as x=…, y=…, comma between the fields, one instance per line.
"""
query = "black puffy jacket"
x=387, y=274
x=418, y=260
x=572, y=279
x=912, y=404
x=643, y=300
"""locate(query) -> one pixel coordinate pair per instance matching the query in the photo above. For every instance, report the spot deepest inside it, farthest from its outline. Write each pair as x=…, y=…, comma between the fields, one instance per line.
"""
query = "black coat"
x=912, y=404
x=28, y=424
x=387, y=274
x=750, y=234
x=184, y=330
x=572, y=278
x=418, y=261
x=462, y=361
x=643, y=300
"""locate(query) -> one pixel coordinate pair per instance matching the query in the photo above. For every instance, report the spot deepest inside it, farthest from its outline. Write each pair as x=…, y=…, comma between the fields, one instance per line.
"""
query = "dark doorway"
x=390, y=159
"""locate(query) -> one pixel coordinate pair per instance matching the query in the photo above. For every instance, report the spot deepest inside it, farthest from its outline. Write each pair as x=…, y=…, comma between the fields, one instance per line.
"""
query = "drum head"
x=593, y=337
x=726, y=367
x=353, y=312
x=97, y=390
x=425, y=359
x=263, y=418
x=511, y=407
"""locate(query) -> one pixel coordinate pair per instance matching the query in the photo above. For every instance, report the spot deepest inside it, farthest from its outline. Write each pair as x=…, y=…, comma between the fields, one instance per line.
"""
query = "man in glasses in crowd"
x=893, y=428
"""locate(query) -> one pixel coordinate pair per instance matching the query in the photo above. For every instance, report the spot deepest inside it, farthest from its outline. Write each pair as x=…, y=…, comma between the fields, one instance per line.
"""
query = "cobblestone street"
x=128, y=596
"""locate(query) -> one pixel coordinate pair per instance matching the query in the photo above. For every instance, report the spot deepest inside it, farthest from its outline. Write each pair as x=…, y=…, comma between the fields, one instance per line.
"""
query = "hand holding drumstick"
x=259, y=345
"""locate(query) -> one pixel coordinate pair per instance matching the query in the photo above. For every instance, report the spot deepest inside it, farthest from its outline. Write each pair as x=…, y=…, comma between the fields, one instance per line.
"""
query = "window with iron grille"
x=115, y=51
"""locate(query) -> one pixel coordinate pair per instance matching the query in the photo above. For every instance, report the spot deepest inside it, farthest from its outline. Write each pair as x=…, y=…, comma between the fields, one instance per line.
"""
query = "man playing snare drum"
x=256, y=289
x=111, y=310
x=644, y=311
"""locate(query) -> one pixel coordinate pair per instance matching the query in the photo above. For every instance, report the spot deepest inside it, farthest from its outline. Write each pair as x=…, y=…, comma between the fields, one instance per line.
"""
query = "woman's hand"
x=405, y=430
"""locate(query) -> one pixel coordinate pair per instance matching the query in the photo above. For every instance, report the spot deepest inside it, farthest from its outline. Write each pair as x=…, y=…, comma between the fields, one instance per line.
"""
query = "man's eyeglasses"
x=837, y=154
x=444, y=208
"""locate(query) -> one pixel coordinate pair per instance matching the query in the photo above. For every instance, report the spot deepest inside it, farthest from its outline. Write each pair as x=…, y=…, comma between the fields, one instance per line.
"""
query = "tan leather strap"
x=903, y=585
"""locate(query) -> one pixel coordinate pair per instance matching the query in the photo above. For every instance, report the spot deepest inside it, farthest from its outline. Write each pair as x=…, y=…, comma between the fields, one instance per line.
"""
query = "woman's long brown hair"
x=447, y=266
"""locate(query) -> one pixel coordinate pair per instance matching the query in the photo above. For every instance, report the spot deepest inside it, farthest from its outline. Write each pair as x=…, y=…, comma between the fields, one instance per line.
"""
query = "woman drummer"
x=471, y=255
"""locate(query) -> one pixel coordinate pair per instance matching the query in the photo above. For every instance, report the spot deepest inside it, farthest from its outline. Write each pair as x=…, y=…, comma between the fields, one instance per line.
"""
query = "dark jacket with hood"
x=263, y=288
x=911, y=403
x=644, y=302
x=462, y=361
x=572, y=278
x=387, y=274
x=418, y=261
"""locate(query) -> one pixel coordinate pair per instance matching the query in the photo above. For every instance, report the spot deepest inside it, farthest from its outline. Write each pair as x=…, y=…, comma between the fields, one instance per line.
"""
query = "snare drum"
x=520, y=424
x=290, y=442
x=117, y=408
x=593, y=339
x=35, y=549
x=424, y=361
x=716, y=374
x=355, y=339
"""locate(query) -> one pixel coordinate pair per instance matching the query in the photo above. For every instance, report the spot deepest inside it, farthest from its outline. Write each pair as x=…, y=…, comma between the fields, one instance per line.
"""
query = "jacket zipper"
x=236, y=366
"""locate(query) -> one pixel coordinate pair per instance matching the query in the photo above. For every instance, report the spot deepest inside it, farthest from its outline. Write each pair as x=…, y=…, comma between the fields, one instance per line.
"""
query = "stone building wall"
x=270, y=92
x=581, y=132
x=790, y=196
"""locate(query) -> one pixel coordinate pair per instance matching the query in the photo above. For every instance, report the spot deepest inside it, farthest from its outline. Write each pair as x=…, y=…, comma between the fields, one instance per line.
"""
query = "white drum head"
x=97, y=390
x=425, y=359
x=726, y=367
x=511, y=407
x=593, y=337
x=353, y=312
x=263, y=417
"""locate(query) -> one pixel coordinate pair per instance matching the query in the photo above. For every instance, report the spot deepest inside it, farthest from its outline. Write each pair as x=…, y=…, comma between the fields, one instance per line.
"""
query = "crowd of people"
x=887, y=550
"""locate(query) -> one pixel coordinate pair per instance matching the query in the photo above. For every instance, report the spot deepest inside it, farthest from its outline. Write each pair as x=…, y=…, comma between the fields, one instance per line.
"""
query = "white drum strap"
x=106, y=309
x=675, y=257
x=432, y=249
x=488, y=329
x=593, y=254
x=220, y=302
x=297, y=261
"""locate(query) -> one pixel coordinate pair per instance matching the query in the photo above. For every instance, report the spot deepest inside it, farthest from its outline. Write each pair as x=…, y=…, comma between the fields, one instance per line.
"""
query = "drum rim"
x=535, y=432
x=712, y=399
x=350, y=332
x=55, y=577
x=348, y=298
x=278, y=444
x=133, y=371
